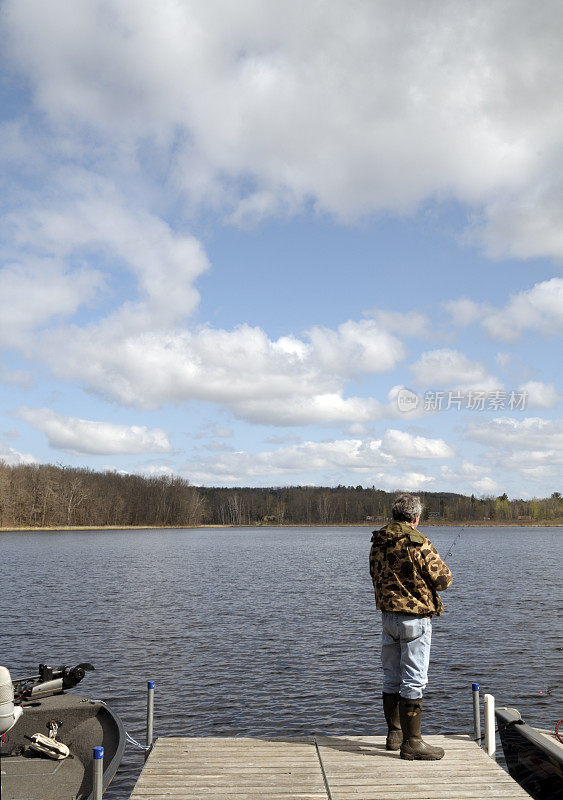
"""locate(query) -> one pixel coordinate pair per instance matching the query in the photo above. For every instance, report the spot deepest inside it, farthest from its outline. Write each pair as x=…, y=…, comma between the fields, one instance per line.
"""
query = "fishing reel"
x=50, y=680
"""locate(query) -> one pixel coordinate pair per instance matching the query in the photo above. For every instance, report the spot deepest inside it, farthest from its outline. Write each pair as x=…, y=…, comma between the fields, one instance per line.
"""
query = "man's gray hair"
x=406, y=508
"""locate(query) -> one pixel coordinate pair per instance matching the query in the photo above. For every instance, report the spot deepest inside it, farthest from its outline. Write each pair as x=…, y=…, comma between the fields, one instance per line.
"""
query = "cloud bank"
x=216, y=96
x=132, y=124
x=95, y=438
x=370, y=460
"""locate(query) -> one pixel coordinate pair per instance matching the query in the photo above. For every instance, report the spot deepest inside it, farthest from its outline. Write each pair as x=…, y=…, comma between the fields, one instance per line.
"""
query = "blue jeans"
x=405, y=653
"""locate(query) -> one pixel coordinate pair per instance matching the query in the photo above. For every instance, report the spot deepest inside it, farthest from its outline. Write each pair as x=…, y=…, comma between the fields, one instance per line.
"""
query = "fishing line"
x=454, y=541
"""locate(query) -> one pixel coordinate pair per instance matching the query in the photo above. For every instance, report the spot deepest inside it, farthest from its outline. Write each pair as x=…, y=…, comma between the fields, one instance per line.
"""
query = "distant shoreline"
x=370, y=524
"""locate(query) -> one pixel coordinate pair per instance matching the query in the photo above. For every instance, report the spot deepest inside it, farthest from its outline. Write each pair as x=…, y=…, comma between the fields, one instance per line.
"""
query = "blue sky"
x=237, y=239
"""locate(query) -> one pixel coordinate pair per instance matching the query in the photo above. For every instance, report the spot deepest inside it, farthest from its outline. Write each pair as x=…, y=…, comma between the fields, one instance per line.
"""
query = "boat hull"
x=534, y=758
x=86, y=724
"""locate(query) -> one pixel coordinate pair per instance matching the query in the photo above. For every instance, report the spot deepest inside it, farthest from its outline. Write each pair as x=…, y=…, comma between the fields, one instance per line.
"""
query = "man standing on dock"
x=407, y=574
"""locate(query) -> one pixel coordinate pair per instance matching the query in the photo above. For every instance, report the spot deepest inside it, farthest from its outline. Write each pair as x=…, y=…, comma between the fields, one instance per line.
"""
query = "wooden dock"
x=321, y=768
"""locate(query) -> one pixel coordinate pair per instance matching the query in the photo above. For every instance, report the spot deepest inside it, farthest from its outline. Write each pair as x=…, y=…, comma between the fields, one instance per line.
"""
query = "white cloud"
x=411, y=323
x=465, y=311
x=359, y=429
x=466, y=469
x=526, y=453
x=218, y=447
x=14, y=458
x=136, y=113
x=334, y=459
x=532, y=433
x=322, y=409
x=451, y=369
x=486, y=485
x=539, y=308
x=97, y=438
x=404, y=445
x=404, y=403
x=523, y=223
x=88, y=218
x=363, y=346
x=536, y=463
x=211, y=429
x=158, y=471
x=469, y=478
x=408, y=481
x=540, y=395
x=343, y=103
x=284, y=381
x=38, y=291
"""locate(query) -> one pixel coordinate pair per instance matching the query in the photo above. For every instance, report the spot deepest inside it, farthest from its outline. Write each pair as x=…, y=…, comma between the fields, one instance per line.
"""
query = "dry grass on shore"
x=370, y=524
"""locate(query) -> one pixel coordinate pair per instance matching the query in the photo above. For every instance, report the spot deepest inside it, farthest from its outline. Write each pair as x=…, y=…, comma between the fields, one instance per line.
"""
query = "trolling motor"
x=50, y=680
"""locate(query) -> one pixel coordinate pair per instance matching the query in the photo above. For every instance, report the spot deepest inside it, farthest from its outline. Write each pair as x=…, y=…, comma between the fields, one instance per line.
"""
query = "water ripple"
x=262, y=632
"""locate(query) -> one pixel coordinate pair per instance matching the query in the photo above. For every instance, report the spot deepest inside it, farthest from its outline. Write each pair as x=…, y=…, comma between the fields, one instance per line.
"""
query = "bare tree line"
x=44, y=495
x=47, y=496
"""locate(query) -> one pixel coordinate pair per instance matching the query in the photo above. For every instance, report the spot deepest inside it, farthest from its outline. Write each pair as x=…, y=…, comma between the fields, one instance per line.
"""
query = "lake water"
x=255, y=631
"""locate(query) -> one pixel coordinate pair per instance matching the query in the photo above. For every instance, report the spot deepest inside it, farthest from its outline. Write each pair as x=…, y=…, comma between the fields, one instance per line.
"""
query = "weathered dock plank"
x=325, y=768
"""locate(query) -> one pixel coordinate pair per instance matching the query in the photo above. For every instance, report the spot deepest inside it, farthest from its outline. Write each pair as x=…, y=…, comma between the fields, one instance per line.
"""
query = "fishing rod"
x=454, y=541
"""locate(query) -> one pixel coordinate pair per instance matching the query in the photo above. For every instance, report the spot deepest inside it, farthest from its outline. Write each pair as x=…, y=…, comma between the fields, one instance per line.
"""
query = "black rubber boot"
x=413, y=747
x=391, y=711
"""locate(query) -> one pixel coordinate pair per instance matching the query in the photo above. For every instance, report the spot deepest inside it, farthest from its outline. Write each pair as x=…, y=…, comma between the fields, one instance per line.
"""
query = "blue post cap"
x=475, y=687
x=98, y=752
x=151, y=684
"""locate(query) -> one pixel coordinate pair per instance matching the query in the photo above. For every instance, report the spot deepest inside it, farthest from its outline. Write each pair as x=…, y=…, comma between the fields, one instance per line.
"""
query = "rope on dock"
x=128, y=736
x=136, y=743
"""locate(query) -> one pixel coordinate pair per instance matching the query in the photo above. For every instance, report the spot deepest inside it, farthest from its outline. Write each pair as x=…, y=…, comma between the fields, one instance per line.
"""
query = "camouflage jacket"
x=407, y=571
